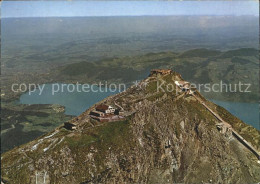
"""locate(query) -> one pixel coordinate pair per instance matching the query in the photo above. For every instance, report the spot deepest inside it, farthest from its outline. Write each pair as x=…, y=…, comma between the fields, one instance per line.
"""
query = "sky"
x=126, y=8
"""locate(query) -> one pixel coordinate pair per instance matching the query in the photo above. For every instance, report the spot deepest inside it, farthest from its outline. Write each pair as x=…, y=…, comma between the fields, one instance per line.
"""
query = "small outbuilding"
x=224, y=128
x=106, y=113
x=184, y=85
x=160, y=71
x=70, y=126
x=97, y=113
x=119, y=112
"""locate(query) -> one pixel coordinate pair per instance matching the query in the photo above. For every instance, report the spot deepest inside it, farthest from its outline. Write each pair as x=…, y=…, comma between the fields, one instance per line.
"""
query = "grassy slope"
x=108, y=136
x=198, y=66
x=116, y=136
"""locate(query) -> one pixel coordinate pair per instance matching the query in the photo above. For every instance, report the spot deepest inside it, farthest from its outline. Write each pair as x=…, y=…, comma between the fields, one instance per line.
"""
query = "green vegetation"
x=240, y=60
x=197, y=66
x=194, y=66
x=202, y=53
x=94, y=154
x=196, y=109
x=156, y=96
x=200, y=66
x=23, y=123
x=240, y=52
x=109, y=134
x=79, y=68
x=81, y=141
x=122, y=53
x=100, y=69
x=112, y=136
x=229, y=66
x=152, y=87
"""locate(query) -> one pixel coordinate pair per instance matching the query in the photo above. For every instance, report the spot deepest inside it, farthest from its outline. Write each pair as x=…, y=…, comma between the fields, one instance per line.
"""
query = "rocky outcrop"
x=165, y=139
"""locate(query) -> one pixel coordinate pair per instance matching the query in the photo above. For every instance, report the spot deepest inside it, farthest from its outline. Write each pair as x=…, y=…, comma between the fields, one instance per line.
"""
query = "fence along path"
x=234, y=133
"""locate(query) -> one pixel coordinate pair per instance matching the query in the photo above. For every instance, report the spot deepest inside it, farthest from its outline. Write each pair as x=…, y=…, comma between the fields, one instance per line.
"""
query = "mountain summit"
x=165, y=134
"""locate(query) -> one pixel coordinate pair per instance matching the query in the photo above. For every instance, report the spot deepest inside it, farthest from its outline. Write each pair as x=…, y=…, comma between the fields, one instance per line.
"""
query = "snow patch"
x=49, y=136
x=34, y=147
x=140, y=141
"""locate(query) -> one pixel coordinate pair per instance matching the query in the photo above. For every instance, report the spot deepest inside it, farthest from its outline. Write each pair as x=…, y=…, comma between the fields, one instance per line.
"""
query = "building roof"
x=98, y=112
x=71, y=123
x=102, y=107
x=183, y=82
x=224, y=124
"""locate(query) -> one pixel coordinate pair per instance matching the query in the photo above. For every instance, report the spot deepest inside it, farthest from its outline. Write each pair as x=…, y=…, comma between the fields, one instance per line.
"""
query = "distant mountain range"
x=200, y=66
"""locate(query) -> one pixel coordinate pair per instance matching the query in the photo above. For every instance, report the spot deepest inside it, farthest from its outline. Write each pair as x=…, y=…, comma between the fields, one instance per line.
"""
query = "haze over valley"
x=124, y=49
x=130, y=92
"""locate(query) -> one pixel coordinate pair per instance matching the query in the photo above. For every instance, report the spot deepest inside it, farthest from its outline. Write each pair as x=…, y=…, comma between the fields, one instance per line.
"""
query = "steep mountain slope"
x=167, y=137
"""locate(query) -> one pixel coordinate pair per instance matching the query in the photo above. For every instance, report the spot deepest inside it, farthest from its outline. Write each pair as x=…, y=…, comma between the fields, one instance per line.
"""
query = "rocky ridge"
x=168, y=137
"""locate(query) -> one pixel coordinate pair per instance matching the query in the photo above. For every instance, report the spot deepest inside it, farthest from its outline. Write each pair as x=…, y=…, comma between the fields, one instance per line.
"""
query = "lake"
x=74, y=102
x=77, y=102
x=247, y=112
